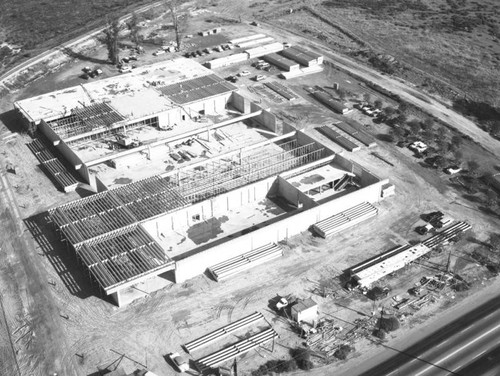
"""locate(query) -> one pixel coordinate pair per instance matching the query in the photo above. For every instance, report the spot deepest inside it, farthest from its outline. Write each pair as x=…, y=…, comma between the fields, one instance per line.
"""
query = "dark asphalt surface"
x=450, y=350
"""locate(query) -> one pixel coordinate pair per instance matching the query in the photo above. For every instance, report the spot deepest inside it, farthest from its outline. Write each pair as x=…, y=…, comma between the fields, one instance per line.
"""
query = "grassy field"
x=450, y=48
x=28, y=26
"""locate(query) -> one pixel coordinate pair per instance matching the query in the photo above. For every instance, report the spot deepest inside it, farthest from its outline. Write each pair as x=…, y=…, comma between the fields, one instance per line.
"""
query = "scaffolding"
x=201, y=183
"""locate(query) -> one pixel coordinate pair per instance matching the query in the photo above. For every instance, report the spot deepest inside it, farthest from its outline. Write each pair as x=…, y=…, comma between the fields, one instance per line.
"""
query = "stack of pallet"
x=246, y=261
x=345, y=219
x=445, y=236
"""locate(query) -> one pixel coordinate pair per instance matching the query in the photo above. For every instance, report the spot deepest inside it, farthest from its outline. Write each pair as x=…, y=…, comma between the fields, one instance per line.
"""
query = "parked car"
x=125, y=69
x=422, y=230
x=179, y=361
x=287, y=44
x=432, y=216
x=158, y=52
x=259, y=77
x=184, y=155
x=418, y=146
x=244, y=73
x=232, y=79
x=282, y=303
x=175, y=157
x=452, y=170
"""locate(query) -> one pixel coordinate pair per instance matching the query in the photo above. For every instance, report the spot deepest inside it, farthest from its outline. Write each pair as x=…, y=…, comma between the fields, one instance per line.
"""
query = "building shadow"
x=12, y=121
x=61, y=256
x=78, y=55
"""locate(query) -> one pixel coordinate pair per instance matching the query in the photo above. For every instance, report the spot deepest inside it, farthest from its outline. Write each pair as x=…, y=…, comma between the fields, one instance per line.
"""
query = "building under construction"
x=240, y=200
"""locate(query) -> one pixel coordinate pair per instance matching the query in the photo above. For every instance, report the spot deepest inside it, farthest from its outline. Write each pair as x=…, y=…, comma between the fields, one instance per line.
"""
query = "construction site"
x=232, y=206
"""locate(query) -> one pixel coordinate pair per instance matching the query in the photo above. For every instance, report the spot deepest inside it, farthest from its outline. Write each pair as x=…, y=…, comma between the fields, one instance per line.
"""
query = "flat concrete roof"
x=316, y=178
x=132, y=94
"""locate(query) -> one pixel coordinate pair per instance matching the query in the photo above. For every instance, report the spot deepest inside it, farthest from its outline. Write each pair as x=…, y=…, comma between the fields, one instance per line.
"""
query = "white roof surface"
x=373, y=273
x=131, y=94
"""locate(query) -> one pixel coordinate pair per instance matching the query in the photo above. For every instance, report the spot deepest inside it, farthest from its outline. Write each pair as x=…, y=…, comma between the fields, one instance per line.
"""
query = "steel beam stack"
x=444, y=236
x=236, y=349
x=246, y=261
x=222, y=332
x=345, y=219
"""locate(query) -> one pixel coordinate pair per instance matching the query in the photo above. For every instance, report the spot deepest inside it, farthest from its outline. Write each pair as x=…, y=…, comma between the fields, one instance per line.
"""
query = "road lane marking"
x=457, y=350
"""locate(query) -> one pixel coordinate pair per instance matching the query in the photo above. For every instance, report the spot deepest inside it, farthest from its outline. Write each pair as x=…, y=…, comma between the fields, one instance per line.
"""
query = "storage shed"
x=305, y=311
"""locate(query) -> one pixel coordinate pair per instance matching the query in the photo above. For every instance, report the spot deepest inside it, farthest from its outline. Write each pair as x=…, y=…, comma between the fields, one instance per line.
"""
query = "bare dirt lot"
x=59, y=322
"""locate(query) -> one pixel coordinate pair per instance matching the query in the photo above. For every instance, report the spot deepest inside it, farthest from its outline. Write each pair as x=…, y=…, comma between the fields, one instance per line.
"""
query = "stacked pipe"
x=236, y=349
x=445, y=236
x=246, y=261
x=345, y=219
x=222, y=332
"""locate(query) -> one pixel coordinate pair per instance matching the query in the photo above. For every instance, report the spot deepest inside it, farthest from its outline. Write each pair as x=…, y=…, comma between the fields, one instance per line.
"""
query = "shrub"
x=343, y=351
x=380, y=334
x=389, y=324
x=302, y=358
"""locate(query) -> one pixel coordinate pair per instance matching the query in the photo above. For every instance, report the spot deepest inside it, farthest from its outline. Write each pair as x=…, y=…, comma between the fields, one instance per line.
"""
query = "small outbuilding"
x=305, y=311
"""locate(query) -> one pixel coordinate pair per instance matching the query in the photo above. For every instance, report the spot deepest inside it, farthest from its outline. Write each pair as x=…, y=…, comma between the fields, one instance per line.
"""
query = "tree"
x=179, y=21
x=414, y=126
x=473, y=168
x=342, y=94
x=111, y=35
x=389, y=111
x=342, y=352
x=491, y=198
x=378, y=104
x=494, y=242
x=133, y=26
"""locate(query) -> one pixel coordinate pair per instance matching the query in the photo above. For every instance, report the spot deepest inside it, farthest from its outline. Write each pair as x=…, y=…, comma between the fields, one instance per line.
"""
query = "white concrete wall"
x=286, y=226
x=215, y=207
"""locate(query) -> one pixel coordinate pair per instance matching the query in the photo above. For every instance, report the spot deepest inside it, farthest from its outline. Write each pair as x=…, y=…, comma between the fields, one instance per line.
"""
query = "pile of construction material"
x=339, y=139
x=445, y=236
x=222, y=332
x=236, y=349
x=357, y=133
x=388, y=190
x=345, y=219
x=246, y=261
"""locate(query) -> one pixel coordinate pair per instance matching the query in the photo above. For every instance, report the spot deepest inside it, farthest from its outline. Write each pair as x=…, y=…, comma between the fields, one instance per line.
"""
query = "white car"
x=125, y=69
x=418, y=146
x=179, y=361
x=159, y=52
x=282, y=303
x=452, y=170
x=259, y=77
x=244, y=73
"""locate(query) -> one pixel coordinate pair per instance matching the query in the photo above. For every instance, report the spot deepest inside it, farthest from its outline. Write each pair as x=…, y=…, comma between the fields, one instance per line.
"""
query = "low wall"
x=291, y=224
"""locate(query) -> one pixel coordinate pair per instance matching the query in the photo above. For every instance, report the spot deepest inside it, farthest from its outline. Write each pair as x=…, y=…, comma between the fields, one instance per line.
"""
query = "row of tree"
x=114, y=30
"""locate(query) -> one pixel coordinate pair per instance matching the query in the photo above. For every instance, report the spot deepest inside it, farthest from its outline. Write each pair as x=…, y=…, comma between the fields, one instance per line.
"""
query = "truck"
x=127, y=142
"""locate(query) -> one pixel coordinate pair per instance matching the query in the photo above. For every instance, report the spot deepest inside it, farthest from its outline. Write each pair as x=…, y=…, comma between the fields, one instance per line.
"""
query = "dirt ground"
x=44, y=287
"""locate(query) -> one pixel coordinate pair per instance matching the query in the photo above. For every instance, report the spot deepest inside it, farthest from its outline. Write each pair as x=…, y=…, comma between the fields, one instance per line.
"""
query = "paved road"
x=449, y=350
x=72, y=43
